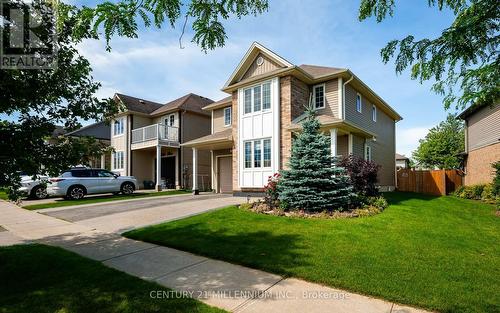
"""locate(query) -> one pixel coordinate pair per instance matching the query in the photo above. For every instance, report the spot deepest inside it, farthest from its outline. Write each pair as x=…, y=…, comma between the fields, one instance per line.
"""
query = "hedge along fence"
x=436, y=182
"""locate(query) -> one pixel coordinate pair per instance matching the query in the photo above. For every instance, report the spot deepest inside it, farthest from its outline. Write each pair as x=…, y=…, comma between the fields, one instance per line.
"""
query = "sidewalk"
x=224, y=285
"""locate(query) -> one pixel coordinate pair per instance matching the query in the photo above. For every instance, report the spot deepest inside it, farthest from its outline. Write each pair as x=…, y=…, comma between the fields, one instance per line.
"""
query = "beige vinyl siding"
x=358, y=146
x=483, y=127
x=383, y=149
x=218, y=120
x=143, y=165
x=331, y=99
x=255, y=69
x=343, y=145
x=119, y=143
x=139, y=121
x=194, y=126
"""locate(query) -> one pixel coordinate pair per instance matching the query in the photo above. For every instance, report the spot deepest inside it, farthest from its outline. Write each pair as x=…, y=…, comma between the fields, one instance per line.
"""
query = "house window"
x=319, y=96
x=374, y=113
x=227, y=116
x=248, y=154
x=358, y=103
x=118, y=160
x=266, y=96
x=267, y=152
x=171, y=120
x=368, y=153
x=248, y=101
x=260, y=158
x=118, y=126
x=257, y=98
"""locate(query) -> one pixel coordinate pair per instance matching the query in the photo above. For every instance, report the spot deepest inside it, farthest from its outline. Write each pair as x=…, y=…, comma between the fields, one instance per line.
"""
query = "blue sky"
x=320, y=32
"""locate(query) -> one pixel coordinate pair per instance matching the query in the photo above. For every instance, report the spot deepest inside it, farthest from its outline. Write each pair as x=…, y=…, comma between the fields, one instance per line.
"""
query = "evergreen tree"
x=313, y=181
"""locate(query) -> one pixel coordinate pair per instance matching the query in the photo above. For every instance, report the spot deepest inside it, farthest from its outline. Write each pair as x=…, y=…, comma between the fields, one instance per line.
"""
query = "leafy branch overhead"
x=463, y=60
x=122, y=17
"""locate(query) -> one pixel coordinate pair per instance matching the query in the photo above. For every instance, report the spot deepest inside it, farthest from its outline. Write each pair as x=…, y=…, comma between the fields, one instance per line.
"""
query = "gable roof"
x=99, y=130
x=219, y=104
x=190, y=102
x=401, y=157
x=138, y=105
x=318, y=71
x=249, y=57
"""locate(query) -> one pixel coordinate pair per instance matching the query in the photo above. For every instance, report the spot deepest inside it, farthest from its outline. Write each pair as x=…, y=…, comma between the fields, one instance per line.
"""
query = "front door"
x=225, y=174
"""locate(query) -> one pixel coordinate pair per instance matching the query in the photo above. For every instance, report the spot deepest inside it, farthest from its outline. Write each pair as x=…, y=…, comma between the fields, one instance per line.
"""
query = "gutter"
x=343, y=95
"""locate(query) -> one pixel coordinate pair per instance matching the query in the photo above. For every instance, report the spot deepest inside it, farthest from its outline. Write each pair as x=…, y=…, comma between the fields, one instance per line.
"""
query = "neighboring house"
x=402, y=161
x=102, y=132
x=252, y=129
x=147, y=138
x=482, y=142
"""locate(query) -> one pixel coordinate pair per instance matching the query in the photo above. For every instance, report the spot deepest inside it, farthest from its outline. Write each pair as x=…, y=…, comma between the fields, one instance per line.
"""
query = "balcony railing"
x=158, y=132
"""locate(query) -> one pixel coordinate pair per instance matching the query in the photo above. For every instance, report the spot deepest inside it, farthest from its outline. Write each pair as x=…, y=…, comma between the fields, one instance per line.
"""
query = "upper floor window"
x=171, y=120
x=358, y=103
x=118, y=126
x=374, y=113
x=319, y=96
x=257, y=98
x=227, y=116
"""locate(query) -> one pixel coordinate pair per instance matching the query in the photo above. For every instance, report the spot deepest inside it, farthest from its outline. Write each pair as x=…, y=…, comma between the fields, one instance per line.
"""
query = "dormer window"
x=319, y=96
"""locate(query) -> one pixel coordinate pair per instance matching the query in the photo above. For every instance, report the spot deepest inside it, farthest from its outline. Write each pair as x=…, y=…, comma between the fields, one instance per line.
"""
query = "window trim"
x=374, y=113
x=252, y=154
x=121, y=120
x=228, y=109
x=368, y=153
x=252, y=95
x=358, y=95
x=116, y=158
x=323, y=85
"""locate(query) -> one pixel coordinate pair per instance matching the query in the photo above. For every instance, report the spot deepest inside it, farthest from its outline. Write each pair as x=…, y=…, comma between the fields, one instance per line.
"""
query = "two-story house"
x=147, y=138
x=253, y=128
x=482, y=142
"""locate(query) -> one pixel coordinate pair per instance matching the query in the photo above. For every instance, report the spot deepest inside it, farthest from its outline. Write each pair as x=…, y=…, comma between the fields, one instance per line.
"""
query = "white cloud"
x=407, y=139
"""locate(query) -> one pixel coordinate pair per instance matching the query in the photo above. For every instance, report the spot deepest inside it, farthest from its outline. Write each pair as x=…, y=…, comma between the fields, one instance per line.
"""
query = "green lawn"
x=436, y=253
x=3, y=194
x=105, y=198
x=37, y=278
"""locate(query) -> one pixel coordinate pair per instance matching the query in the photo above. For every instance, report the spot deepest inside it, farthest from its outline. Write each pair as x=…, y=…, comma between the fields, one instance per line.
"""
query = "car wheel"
x=127, y=188
x=76, y=193
x=39, y=192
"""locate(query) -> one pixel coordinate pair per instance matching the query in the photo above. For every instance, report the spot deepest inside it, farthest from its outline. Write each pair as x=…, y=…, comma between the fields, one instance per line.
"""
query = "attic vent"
x=142, y=101
x=260, y=61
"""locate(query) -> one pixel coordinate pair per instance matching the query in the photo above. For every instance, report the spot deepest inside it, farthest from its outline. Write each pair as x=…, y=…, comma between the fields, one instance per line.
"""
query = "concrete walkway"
x=224, y=285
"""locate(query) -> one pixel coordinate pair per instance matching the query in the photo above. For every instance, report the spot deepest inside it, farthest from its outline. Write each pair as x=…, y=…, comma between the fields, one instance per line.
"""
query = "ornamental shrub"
x=271, y=191
x=363, y=174
x=496, y=179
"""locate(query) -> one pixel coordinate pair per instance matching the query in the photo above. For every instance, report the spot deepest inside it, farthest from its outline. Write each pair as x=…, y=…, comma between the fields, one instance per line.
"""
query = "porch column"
x=158, y=168
x=103, y=161
x=212, y=172
x=177, y=172
x=333, y=142
x=195, y=172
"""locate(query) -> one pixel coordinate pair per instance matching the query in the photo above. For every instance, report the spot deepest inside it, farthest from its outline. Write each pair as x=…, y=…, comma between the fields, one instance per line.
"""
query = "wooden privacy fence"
x=438, y=182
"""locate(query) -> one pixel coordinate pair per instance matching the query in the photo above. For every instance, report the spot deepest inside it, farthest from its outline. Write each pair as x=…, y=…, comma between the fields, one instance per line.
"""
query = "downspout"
x=343, y=95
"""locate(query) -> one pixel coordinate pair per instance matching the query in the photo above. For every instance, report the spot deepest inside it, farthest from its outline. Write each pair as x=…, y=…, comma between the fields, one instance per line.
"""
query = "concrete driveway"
x=121, y=216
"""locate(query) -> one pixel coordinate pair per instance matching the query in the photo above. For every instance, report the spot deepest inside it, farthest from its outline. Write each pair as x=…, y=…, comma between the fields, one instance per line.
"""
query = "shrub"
x=477, y=191
x=474, y=192
x=378, y=202
x=496, y=179
x=488, y=193
x=363, y=174
x=271, y=191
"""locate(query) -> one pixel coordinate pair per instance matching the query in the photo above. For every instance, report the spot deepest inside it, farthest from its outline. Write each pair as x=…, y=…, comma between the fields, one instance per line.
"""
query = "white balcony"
x=153, y=135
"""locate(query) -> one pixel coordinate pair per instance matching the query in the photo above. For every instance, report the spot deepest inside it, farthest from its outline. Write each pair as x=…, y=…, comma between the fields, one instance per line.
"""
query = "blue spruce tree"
x=313, y=181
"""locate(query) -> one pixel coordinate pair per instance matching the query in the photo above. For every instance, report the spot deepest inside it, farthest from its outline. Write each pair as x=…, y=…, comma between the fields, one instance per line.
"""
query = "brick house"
x=252, y=128
x=482, y=142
